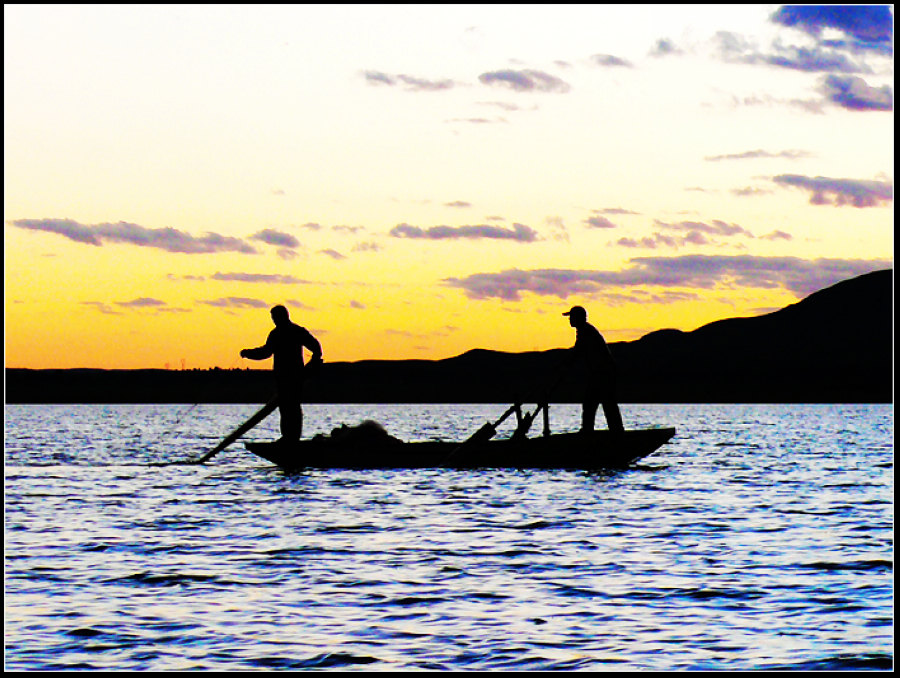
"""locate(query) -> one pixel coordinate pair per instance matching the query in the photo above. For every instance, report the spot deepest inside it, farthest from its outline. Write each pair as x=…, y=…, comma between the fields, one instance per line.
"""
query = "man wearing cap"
x=591, y=351
x=286, y=343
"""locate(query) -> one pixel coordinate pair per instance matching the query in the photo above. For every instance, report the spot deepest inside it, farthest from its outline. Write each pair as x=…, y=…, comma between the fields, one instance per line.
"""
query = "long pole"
x=264, y=412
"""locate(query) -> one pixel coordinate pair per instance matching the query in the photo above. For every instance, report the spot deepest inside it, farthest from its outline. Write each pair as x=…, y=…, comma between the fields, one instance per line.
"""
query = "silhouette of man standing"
x=599, y=371
x=286, y=343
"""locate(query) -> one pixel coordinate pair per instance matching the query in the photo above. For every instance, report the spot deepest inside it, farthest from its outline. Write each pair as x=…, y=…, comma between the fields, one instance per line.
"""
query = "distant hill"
x=836, y=345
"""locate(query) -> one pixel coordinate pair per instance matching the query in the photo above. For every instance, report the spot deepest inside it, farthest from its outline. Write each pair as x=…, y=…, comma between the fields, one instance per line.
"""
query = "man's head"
x=577, y=316
x=280, y=315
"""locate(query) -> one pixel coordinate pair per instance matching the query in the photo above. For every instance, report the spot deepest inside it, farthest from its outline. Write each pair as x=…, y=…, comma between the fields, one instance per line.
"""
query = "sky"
x=415, y=181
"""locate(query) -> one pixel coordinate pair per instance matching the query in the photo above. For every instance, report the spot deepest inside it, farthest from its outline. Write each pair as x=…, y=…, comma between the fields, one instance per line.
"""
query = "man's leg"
x=589, y=414
x=613, y=416
x=291, y=412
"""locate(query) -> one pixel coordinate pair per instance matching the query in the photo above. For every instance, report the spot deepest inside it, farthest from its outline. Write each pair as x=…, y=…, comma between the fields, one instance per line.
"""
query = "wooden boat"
x=590, y=451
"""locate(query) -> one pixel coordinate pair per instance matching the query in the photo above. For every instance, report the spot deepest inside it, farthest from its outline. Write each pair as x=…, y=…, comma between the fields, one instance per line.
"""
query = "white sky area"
x=609, y=134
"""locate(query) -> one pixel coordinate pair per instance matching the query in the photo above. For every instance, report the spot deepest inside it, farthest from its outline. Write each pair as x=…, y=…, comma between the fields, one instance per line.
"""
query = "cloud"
x=458, y=203
x=478, y=121
x=599, y=222
x=799, y=276
x=172, y=276
x=696, y=233
x=716, y=227
x=525, y=81
x=268, y=278
x=759, y=153
x=777, y=235
x=142, y=302
x=518, y=233
x=664, y=48
x=334, y=254
x=840, y=192
x=610, y=61
x=734, y=48
x=615, y=210
x=855, y=94
x=272, y=237
x=101, y=306
x=869, y=26
x=655, y=241
x=293, y=303
x=235, y=302
x=412, y=83
x=749, y=191
x=168, y=239
x=367, y=247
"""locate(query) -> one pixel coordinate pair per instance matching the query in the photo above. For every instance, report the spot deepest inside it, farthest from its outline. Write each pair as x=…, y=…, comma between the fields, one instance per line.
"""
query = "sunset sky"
x=417, y=181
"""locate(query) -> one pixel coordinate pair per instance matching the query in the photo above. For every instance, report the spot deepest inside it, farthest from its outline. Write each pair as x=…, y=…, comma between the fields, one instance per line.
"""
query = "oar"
x=482, y=435
x=264, y=412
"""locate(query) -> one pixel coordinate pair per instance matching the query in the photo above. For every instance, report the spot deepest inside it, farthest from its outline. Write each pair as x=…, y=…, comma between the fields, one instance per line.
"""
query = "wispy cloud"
x=777, y=235
x=715, y=227
x=278, y=238
x=267, y=278
x=615, y=210
x=599, y=222
x=235, y=302
x=334, y=254
x=694, y=233
x=734, y=48
x=759, y=153
x=855, y=94
x=142, y=302
x=664, y=47
x=610, y=61
x=525, y=81
x=409, y=82
x=168, y=239
x=840, y=192
x=799, y=276
x=101, y=306
x=518, y=233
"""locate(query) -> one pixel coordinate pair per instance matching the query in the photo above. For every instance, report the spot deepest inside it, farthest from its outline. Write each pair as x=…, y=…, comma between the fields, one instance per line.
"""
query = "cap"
x=576, y=310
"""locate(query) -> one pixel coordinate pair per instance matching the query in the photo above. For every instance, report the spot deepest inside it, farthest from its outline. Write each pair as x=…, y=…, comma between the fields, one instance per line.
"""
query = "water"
x=761, y=537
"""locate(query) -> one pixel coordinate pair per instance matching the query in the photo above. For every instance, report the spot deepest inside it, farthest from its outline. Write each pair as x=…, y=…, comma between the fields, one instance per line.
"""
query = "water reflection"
x=740, y=545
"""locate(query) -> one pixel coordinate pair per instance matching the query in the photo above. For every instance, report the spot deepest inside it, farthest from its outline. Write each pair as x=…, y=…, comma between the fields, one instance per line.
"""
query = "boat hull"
x=596, y=450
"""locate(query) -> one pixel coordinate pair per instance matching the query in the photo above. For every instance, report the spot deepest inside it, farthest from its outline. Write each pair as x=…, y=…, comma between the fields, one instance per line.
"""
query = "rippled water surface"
x=759, y=537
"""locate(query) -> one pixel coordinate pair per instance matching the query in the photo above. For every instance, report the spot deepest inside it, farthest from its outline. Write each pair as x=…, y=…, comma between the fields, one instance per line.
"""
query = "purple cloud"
x=855, y=94
x=413, y=84
x=142, y=302
x=759, y=153
x=716, y=227
x=608, y=60
x=268, y=278
x=272, y=237
x=840, y=192
x=599, y=222
x=518, y=233
x=734, y=48
x=168, y=239
x=799, y=276
x=236, y=302
x=525, y=81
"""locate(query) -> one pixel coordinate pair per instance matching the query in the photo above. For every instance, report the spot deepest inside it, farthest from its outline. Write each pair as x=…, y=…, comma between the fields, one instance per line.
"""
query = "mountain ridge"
x=835, y=345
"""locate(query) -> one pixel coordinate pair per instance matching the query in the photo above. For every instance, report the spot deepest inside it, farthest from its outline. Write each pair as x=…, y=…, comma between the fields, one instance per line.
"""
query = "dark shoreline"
x=835, y=346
